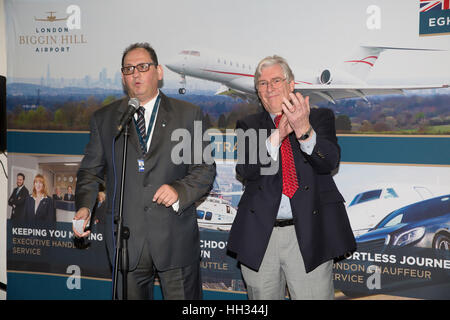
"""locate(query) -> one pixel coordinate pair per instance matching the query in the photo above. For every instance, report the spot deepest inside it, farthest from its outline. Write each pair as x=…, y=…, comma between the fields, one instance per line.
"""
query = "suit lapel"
x=266, y=121
x=160, y=131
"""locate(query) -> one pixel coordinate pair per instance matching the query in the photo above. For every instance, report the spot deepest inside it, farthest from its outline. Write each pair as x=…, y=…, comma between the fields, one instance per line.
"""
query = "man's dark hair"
x=142, y=45
x=21, y=174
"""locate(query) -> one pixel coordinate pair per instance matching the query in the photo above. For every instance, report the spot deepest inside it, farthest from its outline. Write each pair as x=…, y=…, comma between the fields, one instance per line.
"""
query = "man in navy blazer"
x=289, y=237
x=17, y=199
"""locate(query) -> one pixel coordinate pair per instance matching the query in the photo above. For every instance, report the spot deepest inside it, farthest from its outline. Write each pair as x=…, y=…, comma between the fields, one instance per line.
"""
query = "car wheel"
x=442, y=242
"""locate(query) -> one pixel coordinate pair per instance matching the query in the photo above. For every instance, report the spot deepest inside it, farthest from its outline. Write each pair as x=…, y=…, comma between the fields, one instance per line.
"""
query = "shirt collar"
x=149, y=105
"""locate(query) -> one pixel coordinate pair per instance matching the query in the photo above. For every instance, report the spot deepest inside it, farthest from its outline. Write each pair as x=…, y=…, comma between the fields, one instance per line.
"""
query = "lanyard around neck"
x=150, y=124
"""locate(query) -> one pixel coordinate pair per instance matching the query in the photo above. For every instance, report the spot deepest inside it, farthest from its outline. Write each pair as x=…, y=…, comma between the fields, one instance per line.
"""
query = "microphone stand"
x=123, y=233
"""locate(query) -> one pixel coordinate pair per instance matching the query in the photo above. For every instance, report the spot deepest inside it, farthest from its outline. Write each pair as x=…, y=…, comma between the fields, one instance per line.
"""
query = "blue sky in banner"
x=307, y=33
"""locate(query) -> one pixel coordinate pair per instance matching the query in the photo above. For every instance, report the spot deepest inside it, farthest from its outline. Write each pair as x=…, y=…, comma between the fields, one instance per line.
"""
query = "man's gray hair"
x=270, y=61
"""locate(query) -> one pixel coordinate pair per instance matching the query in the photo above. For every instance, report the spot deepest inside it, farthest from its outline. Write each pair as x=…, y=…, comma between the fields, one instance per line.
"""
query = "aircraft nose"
x=174, y=66
x=170, y=66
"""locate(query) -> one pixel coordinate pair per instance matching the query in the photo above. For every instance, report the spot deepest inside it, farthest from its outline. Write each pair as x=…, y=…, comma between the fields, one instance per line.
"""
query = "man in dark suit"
x=17, y=199
x=290, y=223
x=69, y=196
x=57, y=195
x=160, y=195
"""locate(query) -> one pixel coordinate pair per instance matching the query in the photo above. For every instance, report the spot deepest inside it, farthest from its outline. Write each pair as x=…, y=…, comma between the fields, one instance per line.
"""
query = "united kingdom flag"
x=427, y=5
x=434, y=17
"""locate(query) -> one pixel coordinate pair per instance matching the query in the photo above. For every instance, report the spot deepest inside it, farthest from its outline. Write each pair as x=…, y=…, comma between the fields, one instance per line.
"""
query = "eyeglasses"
x=275, y=83
x=141, y=67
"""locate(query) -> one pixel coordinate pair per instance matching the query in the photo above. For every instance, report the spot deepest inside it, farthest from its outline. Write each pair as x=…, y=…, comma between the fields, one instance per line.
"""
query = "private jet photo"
x=345, y=80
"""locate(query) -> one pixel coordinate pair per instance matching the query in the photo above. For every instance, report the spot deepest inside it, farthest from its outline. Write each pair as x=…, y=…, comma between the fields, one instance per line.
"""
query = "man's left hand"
x=165, y=195
x=297, y=112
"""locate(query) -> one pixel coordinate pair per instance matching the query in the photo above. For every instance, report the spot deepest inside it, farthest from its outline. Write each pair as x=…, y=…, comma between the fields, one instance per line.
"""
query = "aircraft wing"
x=327, y=92
x=233, y=93
x=332, y=93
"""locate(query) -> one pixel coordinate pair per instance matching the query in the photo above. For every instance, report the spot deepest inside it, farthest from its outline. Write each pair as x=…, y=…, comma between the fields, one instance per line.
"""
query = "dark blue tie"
x=141, y=128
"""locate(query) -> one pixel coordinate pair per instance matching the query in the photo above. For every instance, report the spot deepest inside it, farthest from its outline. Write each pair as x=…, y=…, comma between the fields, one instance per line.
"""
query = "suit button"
x=306, y=188
x=315, y=212
x=260, y=187
x=252, y=210
x=320, y=155
x=145, y=208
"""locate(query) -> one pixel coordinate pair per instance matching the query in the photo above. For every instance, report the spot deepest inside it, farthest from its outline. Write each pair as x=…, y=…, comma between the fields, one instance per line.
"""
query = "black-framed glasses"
x=275, y=83
x=141, y=67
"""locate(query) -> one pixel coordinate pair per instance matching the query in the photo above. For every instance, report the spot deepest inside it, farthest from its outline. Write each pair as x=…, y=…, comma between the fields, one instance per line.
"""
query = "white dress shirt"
x=285, y=210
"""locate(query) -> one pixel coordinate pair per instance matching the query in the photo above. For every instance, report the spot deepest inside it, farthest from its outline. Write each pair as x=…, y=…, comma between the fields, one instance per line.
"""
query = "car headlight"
x=409, y=236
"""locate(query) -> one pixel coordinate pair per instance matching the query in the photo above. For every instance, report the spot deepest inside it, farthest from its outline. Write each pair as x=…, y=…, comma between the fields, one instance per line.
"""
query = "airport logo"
x=434, y=17
x=54, y=32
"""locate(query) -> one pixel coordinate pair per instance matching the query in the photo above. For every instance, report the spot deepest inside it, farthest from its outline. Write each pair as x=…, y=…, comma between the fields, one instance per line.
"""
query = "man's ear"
x=160, y=71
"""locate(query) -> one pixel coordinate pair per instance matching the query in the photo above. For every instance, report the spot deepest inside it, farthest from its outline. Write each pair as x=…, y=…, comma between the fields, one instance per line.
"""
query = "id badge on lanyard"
x=141, y=167
x=140, y=162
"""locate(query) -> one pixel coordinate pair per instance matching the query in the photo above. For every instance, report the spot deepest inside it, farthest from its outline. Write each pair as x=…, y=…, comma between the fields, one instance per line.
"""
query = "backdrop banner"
x=368, y=61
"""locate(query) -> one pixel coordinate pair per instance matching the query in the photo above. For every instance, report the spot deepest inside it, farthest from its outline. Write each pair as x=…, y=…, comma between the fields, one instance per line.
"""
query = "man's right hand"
x=82, y=214
x=283, y=130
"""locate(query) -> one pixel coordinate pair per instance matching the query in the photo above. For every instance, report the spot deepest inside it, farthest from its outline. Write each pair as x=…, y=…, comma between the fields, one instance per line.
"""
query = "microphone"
x=133, y=105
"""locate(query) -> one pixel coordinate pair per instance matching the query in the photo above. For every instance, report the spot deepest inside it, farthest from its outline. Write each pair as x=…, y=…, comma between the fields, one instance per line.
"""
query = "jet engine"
x=326, y=77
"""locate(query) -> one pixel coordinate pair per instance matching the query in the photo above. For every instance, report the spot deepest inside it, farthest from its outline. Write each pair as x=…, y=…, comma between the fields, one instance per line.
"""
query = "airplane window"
x=370, y=195
x=237, y=64
x=195, y=53
x=354, y=201
x=184, y=52
x=200, y=214
x=208, y=215
x=423, y=192
x=224, y=61
x=231, y=63
x=390, y=193
x=366, y=196
x=218, y=60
